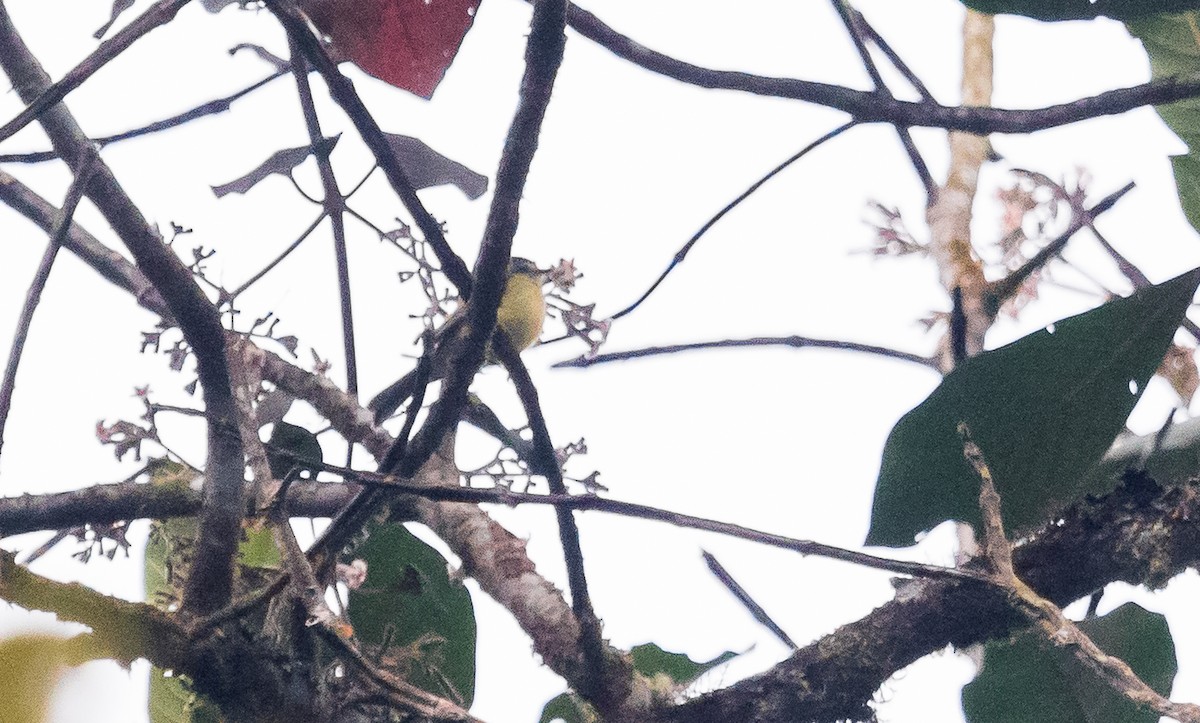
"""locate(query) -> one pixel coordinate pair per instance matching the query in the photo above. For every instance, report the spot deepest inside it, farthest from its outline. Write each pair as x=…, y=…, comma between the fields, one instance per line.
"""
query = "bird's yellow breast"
x=522, y=310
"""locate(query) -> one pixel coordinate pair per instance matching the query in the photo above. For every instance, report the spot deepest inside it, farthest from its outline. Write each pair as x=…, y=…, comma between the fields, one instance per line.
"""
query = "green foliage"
x=1043, y=410
x=412, y=617
x=1081, y=9
x=651, y=660
x=1026, y=679
x=569, y=708
x=171, y=698
x=292, y=446
x=1170, y=41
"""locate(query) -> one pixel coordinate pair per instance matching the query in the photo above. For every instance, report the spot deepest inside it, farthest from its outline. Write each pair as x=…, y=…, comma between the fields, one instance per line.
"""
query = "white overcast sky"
x=630, y=164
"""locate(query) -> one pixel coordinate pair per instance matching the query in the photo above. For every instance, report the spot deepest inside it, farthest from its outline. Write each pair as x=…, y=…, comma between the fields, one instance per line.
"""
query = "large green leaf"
x=409, y=605
x=1043, y=410
x=1026, y=679
x=1171, y=42
x=1081, y=9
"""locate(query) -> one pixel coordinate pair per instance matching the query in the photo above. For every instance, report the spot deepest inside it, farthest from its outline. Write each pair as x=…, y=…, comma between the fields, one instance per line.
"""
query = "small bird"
x=520, y=315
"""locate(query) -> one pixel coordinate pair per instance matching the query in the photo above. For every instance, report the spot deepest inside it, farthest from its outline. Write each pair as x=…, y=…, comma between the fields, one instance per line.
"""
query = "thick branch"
x=108, y=503
x=1140, y=534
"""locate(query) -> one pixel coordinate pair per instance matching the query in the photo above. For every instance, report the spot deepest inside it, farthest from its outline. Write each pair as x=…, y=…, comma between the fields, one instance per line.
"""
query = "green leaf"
x=1170, y=42
x=1026, y=679
x=651, y=660
x=1043, y=410
x=171, y=698
x=569, y=708
x=1081, y=9
x=292, y=446
x=409, y=603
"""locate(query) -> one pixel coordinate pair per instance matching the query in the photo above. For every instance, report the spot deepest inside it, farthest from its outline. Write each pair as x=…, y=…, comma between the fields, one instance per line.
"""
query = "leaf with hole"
x=411, y=617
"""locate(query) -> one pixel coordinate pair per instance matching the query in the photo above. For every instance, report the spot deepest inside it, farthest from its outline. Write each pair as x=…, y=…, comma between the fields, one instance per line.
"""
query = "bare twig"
x=995, y=544
x=893, y=57
x=851, y=19
x=212, y=107
x=49, y=95
x=282, y=255
x=1135, y=275
x=608, y=683
x=110, y=265
x=744, y=598
x=335, y=207
x=34, y=295
x=796, y=342
x=682, y=253
x=1047, y=617
x=343, y=92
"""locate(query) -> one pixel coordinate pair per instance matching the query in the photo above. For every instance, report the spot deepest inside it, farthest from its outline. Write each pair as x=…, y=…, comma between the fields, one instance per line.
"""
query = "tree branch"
x=344, y=94
x=49, y=94
x=1138, y=534
x=795, y=342
x=210, y=582
x=872, y=107
x=34, y=295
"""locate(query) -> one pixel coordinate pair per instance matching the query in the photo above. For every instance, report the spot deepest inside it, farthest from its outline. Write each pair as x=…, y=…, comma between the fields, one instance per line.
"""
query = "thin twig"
x=283, y=255
x=1135, y=275
x=893, y=57
x=850, y=18
x=34, y=295
x=212, y=107
x=682, y=253
x=158, y=14
x=335, y=207
x=744, y=598
x=1004, y=289
x=796, y=342
x=346, y=96
x=600, y=676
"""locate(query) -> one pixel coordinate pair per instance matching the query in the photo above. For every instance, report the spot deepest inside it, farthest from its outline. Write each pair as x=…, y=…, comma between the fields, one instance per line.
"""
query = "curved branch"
x=796, y=342
x=874, y=107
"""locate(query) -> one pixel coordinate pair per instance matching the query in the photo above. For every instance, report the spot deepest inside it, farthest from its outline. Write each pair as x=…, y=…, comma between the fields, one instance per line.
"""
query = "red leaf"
x=407, y=43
